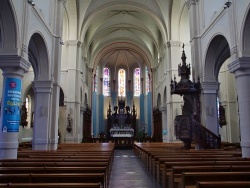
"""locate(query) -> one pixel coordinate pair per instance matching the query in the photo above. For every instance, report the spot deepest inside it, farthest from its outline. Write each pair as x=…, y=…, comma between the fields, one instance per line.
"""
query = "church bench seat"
x=174, y=176
x=18, y=170
x=158, y=164
x=234, y=165
x=13, y=170
x=189, y=179
x=55, y=178
x=42, y=163
x=223, y=184
x=52, y=185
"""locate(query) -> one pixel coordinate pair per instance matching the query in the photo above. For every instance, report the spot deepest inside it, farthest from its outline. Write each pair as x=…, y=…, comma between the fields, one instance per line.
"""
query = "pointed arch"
x=8, y=27
x=38, y=57
x=218, y=51
x=245, y=35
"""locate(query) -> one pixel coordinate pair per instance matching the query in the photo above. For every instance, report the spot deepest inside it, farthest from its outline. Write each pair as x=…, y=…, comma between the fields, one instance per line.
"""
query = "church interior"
x=142, y=75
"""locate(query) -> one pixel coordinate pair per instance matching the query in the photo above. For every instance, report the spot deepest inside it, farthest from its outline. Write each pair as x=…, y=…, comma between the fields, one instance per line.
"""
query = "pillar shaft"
x=13, y=68
x=241, y=68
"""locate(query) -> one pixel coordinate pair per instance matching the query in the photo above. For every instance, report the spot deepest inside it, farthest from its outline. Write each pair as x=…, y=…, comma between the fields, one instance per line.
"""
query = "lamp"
x=31, y=2
x=227, y=4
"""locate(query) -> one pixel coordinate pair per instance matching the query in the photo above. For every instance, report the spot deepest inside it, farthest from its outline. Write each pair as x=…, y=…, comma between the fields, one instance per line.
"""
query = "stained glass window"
x=137, y=82
x=122, y=83
x=106, y=82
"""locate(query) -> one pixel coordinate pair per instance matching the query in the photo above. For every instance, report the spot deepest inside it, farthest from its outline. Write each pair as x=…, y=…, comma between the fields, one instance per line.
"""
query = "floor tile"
x=128, y=172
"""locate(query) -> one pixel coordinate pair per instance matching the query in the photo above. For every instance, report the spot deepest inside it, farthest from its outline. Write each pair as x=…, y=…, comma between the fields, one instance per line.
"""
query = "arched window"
x=147, y=81
x=137, y=83
x=106, y=82
x=122, y=83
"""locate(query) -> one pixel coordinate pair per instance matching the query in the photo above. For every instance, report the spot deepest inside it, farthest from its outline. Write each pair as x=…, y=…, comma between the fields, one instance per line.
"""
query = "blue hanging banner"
x=11, y=105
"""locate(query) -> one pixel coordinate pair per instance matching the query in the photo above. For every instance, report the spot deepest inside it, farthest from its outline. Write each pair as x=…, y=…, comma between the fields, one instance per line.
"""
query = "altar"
x=122, y=122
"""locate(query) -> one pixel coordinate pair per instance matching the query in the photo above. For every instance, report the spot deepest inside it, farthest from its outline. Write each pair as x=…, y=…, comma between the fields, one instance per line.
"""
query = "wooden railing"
x=189, y=130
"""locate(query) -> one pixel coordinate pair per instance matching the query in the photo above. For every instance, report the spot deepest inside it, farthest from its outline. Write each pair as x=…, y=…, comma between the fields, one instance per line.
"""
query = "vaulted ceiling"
x=122, y=32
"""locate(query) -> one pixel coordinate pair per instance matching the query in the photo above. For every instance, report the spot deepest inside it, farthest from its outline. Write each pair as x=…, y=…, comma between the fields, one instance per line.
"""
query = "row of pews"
x=173, y=167
x=72, y=165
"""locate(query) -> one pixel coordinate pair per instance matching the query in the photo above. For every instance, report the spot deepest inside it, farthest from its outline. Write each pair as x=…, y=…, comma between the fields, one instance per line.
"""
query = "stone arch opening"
x=218, y=52
x=38, y=57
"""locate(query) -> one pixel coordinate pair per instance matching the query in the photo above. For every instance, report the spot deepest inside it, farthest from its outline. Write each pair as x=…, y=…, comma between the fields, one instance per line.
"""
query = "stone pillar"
x=173, y=101
x=129, y=94
x=209, y=105
x=241, y=68
x=114, y=95
x=73, y=90
x=142, y=91
x=101, y=108
x=42, y=115
x=13, y=68
x=56, y=55
x=195, y=41
x=101, y=86
x=165, y=128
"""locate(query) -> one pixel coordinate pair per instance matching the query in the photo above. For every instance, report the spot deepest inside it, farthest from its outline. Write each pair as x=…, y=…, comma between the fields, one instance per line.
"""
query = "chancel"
x=122, y=123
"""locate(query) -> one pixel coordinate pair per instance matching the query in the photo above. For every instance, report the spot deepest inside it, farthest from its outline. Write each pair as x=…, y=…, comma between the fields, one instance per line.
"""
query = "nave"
x=128, y=172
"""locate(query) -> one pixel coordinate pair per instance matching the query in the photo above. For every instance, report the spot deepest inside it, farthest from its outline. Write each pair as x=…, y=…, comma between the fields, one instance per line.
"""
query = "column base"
x=40, y=144
x=8, y=145
x=8, y=153
x=245, y=148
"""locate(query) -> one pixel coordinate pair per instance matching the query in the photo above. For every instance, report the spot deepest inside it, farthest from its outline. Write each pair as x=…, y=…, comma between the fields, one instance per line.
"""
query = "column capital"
x=210, y=87
x=172, y=43
x=240, y=66
x=189, y=3
x=42, y=86
x=14, y=64
x=73, y=43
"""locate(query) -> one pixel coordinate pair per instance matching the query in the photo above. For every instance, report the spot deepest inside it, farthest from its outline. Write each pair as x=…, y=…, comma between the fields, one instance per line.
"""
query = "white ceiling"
x=122, y=32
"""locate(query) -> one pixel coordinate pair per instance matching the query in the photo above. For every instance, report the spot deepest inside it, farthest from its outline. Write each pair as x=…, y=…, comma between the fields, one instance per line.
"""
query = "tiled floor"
x=128, y=172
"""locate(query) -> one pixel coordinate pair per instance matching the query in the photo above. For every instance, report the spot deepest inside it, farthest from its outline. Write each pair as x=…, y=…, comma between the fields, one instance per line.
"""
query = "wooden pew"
x=176, y=171
x=55, y=178
x=223, y=184
x=189, y=179
x=52, y=185
x=159, y=163
x=168, y=166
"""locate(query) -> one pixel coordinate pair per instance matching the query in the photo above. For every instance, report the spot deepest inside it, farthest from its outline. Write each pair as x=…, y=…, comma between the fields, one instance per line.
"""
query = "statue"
x=24, y=114
x=69, y=123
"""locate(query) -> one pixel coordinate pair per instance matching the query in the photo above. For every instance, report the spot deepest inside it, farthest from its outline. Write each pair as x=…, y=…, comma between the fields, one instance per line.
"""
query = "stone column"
x=73, y=90
x=142, y=91
x=13, y=68
x=42, y=115
x=129, y=94
x=241, y=68
x=113, y=95
x=210, y=110
x=101, y=86
x=195, y=41
x=56, y=64
x=165, y=128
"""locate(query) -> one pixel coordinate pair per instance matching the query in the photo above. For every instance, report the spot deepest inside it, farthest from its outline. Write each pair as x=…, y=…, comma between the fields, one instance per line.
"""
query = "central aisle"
x=128, y=172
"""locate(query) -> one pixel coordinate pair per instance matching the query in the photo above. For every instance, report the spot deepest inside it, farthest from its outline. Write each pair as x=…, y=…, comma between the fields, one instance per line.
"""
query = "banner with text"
x=11, y=105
